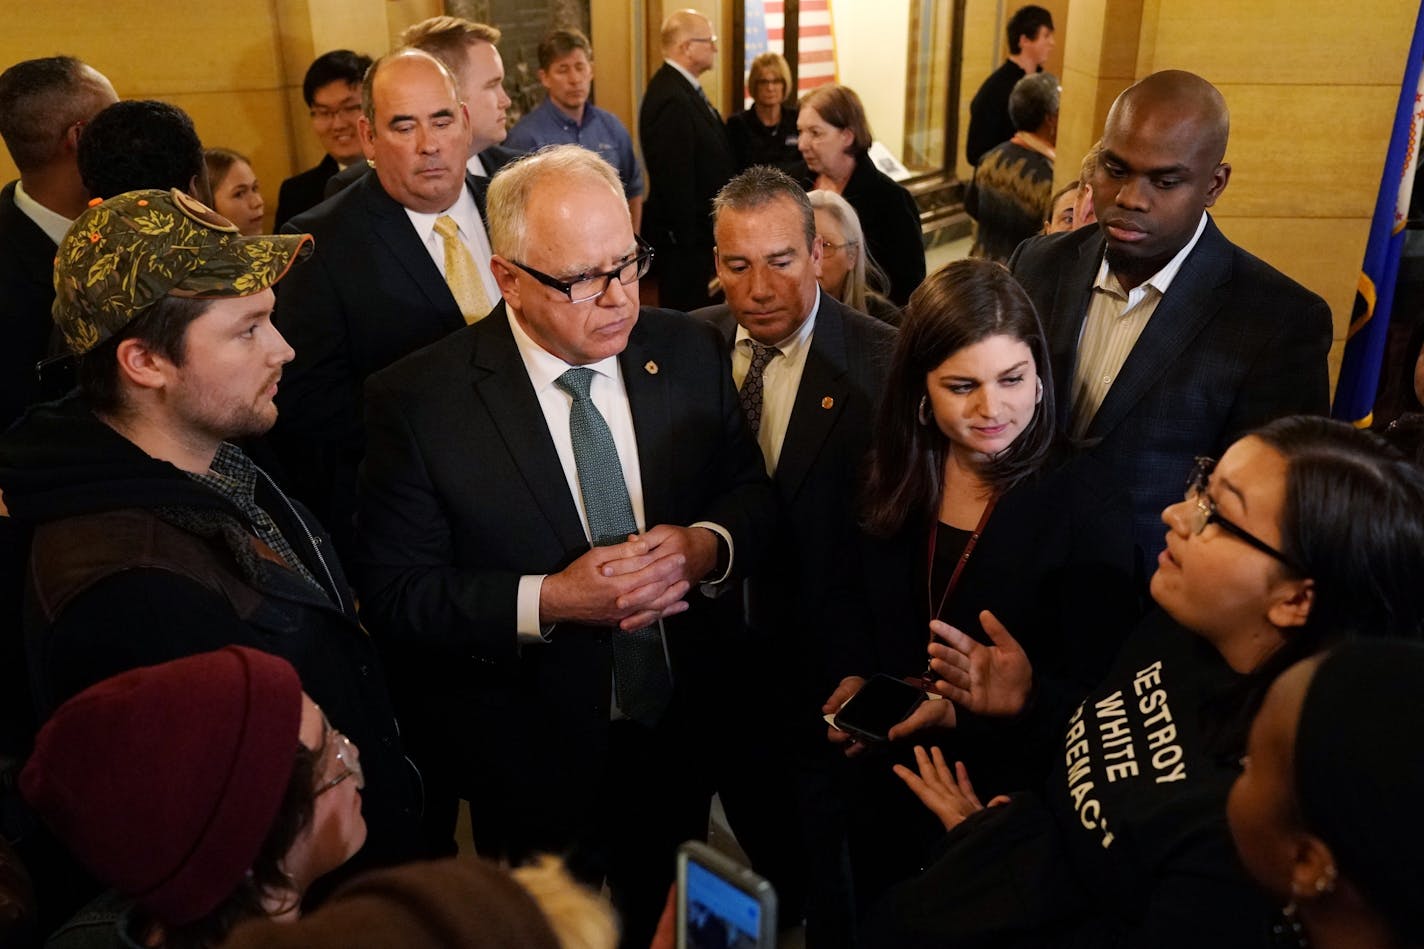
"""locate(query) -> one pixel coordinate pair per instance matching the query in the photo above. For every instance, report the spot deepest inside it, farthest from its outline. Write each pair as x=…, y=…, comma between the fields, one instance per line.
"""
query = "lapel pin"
x=827, y=402
x=650, y=367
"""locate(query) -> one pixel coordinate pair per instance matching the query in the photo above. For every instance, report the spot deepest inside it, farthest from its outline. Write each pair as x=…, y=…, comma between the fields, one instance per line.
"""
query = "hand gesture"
x=848, y=687
x=947, y=793
x=986, y=680
x=935, y=712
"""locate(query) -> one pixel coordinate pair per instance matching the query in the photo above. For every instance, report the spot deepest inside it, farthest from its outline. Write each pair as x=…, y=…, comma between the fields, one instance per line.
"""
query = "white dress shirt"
x=780, y=381
x=611, y=399
x=1116, y=318
x=472, y=232
x=54, y=224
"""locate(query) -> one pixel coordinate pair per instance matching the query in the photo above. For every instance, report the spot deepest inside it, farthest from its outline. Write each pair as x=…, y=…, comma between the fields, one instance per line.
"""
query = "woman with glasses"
x=1305, y=533
x=847, y=272
x=204, y=792
x=766, y=134
x=977, y=514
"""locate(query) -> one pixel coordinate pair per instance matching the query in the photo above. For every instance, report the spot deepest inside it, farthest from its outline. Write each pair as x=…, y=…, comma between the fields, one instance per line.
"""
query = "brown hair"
x=840, y=107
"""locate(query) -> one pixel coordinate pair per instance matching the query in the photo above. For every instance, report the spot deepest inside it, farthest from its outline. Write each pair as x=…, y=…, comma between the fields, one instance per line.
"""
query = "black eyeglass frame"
x=1196, y=491
x=642, y=261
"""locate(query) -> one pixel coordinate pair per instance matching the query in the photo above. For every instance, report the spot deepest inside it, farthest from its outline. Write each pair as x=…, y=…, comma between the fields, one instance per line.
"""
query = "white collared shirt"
x=475, y=167
x=686, y=74
x=472, y=231
x=611, y=399
x=1115, y=320
x=54, y=224
x=780, y=381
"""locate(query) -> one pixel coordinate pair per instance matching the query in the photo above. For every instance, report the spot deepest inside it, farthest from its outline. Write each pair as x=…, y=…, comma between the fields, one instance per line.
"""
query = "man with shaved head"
x=395, y=269
x=1167, y=340
x=688, y=158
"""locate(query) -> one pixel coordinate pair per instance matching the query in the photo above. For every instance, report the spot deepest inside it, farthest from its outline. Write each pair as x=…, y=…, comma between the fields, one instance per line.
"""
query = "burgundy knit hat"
x=165, y=781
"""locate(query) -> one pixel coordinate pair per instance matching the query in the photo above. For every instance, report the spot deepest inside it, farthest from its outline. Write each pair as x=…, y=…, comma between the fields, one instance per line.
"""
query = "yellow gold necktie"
x=460, y=272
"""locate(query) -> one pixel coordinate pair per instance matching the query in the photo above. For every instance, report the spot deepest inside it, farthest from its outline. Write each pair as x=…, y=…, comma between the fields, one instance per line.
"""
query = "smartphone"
x=720, y=903
x=881, y=704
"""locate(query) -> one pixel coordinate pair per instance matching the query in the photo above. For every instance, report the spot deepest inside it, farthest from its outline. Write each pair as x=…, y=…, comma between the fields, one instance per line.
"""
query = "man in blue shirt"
x=566, y=117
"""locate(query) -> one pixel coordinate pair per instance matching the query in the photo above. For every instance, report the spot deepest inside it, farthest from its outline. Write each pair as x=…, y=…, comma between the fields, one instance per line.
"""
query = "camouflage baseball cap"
x=122, y=255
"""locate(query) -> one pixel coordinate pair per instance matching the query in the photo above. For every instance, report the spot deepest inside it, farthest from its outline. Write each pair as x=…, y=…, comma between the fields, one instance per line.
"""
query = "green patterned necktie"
x=642, y=682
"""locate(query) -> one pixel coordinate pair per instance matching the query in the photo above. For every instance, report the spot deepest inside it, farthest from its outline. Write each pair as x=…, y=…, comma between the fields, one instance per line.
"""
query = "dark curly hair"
x=140, y=143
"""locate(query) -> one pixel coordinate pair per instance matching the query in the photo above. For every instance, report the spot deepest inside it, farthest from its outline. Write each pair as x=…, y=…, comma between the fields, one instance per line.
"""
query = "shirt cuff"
x=713, y=587
x=526, y=611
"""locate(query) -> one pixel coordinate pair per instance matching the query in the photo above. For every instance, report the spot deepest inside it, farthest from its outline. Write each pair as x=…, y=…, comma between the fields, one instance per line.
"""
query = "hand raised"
x=947, y=793
x=987, y=680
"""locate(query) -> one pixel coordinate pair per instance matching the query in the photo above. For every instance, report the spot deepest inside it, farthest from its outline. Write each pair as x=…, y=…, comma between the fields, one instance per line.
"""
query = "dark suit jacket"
x=793, y=601
x=1233, y=344
x=462, y=493
x=369, y=294
x=26, y=295
x=305, y=190
x=688, y=159
x=891, y=222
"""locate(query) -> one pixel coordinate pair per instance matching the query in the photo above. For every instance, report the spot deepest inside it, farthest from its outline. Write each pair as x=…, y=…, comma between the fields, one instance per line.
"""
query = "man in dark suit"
x=44, y=103
x=332, y=90
x=688, y=158
x=1168, y=341
x=496, y=457
x=810, y=372
x=385, y=279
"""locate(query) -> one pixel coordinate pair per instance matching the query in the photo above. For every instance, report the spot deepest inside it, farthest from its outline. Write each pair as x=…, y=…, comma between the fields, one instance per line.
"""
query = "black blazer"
x=688, y=158
x=305, y=190
x=26, y=296
x=1233, y=344
x=793, y=602
x=891, y=222
x=369, y=294
x=462, y=492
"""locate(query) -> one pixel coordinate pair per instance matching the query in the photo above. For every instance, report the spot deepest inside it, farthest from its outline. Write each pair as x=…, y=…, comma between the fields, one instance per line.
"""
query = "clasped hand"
x=633, y=584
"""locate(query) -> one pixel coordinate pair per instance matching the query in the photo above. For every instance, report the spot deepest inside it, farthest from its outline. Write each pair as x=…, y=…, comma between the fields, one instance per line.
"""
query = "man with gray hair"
x=44, y=104
x=1013, y=183
x=810, y=372
x=546, y=493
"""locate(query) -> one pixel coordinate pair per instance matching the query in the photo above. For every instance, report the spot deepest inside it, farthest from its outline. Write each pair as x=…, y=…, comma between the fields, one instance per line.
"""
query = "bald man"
x=1168, y=341
x=688, y=160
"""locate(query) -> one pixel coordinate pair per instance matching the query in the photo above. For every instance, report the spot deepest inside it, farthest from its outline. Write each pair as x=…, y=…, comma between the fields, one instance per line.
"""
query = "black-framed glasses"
x=591, y=286
x=347, y=757
x=1207, y=513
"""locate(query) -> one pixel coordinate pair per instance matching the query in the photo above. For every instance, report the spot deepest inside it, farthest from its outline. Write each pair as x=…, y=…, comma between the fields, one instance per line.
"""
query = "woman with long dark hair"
x=1307, y=532
x=978, y=514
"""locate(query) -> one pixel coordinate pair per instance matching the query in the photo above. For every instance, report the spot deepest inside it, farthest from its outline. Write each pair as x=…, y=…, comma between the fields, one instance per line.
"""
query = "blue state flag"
x=1369, y=321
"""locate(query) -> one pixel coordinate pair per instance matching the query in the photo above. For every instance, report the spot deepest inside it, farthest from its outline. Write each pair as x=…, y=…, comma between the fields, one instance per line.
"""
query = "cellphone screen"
x=879, y=705
x=719, y=915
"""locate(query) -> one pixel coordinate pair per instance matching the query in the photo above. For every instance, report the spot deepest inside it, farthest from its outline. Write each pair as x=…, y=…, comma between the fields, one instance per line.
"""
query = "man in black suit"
x=384, y=280
x=688, y=158
x=496, y=456
x=1168, y=341
x=44, y=103
x=332, y=90
x=810, y=372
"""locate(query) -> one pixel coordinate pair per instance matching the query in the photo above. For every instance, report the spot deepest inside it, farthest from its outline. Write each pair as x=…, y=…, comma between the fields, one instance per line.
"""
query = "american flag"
x=815, y=47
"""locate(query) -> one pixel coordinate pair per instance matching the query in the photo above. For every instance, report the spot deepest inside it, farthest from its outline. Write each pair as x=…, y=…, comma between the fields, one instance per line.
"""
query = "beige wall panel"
x=613, y=34
x=361, y=25
x=1359, y=42
x=1306, y=151
x=1323, y=254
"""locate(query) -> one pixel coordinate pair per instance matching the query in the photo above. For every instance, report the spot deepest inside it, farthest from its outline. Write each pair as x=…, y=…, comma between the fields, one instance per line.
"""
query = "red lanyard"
x=958, y=567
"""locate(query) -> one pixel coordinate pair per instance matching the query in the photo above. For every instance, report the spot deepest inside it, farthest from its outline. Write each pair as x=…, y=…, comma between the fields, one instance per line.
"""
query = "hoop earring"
x=923, y=413
x=1038, y=394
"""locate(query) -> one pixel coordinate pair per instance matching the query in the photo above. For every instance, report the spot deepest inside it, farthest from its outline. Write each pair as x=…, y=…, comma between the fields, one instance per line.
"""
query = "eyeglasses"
x=828, y=248
x=347, y=756
x=703, y=39
x=769, y=81
x=591, y=286
x=323, y=116
x=1206, y=513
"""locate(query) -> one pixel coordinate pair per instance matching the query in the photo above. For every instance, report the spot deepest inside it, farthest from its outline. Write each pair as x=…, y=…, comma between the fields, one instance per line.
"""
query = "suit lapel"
x=391, y=226
x=502, y=384
x=1069, y=310
x=1190, y=303
x=646, y=381
x=820, y=399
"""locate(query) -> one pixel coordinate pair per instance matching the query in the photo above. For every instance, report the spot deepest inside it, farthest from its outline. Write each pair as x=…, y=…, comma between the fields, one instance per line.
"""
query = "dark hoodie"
x=133, y=563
